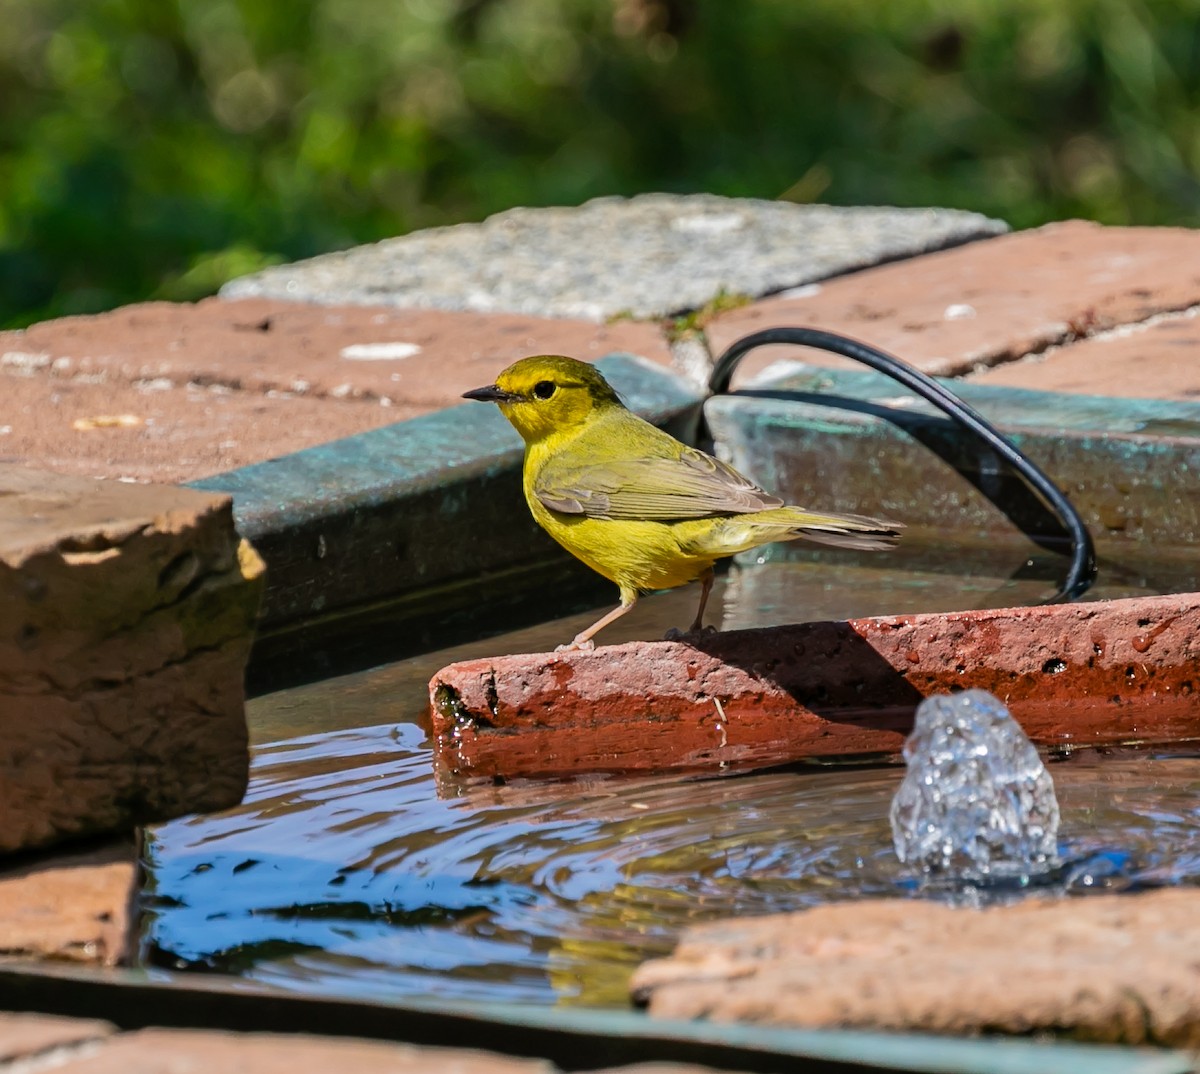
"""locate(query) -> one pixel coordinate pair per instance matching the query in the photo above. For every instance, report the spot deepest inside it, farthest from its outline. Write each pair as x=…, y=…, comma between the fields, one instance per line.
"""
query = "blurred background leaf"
x=155, y=148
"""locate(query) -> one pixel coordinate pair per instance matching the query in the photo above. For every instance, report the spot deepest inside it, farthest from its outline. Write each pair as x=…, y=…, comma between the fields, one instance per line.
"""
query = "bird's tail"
x=844, y=531
x=739, y=533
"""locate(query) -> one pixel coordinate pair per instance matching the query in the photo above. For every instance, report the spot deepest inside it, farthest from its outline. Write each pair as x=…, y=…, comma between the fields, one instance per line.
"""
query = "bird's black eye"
x=543, y=389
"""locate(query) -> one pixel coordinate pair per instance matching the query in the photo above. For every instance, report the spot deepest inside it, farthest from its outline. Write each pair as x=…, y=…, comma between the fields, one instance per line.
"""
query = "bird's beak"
x=491, y=394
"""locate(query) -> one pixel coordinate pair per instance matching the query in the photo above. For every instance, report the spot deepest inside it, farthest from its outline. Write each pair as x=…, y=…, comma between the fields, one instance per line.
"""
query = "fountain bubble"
x=976, y=802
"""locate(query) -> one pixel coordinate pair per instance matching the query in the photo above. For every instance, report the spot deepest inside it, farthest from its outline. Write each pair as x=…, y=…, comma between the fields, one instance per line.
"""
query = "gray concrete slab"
x=647, y=256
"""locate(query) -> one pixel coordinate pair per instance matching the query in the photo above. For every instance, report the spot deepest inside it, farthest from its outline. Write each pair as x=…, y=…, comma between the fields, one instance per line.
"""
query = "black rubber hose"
x=1082, y=571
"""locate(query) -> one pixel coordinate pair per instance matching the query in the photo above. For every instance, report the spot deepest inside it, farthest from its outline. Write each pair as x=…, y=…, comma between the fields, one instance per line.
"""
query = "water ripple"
x=343, y=872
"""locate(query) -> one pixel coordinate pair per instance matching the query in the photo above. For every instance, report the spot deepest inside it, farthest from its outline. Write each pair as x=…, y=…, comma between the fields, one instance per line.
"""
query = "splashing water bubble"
x=977, y=803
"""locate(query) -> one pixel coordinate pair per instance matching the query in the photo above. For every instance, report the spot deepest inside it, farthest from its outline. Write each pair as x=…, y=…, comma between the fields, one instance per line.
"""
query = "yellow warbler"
x=636, y=505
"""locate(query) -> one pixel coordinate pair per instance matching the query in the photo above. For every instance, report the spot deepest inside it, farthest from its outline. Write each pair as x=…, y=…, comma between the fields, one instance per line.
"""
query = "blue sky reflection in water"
x=344, y=873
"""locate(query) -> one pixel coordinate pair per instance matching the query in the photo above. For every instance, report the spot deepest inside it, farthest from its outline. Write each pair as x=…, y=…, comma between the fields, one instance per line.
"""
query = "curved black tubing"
x=1082, y=571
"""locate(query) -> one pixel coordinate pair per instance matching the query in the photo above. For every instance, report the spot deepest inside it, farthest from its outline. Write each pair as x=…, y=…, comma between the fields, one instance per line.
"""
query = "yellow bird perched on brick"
x=636, y=505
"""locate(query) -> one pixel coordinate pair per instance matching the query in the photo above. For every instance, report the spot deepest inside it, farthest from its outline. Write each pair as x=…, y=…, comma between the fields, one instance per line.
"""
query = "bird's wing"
x=691, y=485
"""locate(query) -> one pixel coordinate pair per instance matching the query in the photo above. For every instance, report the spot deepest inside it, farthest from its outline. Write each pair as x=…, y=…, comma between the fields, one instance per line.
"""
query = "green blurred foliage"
x=155, y=148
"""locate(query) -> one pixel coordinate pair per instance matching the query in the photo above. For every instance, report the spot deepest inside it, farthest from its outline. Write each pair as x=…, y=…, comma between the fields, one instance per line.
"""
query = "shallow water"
x=344, y=872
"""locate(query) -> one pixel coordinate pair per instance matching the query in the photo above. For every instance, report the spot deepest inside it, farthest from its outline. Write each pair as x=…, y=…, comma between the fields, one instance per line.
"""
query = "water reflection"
x=344, y=873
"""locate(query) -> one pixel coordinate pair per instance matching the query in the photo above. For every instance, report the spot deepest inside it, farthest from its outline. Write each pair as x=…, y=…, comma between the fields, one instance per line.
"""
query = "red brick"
x=991, y=302
x=1103, y=968
x=1083, y=674
x=1156, y=361
x=73, y=906
x=25, y=1035
x=128, y=616
x=167, y=1051
x=222, y=384
x=178, y=434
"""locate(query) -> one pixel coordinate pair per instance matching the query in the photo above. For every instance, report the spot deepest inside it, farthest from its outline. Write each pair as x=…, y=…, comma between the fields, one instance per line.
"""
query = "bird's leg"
x=697, y=627
x=583, y=640
x=706, y=584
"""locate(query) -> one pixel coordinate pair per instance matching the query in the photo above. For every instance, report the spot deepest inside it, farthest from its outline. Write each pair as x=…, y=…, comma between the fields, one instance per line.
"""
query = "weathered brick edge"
x=1073, y=675
x=129, y=613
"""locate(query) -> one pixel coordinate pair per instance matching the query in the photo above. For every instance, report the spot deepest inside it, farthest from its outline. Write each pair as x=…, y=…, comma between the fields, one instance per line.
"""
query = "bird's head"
x=548, y=394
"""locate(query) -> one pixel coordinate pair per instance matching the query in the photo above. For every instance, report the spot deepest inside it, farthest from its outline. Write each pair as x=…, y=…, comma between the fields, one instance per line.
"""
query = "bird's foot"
x=694, y=631
x=576, y=646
